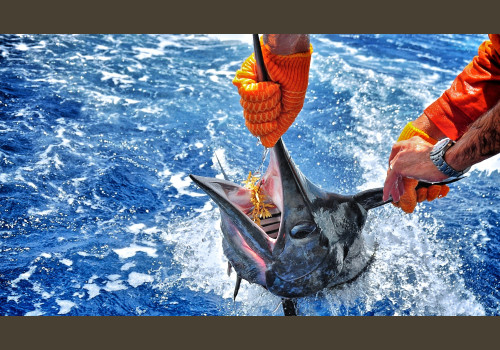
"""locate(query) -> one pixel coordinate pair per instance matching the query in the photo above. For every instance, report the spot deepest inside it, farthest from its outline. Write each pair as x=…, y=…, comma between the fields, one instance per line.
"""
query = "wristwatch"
x=437, y=157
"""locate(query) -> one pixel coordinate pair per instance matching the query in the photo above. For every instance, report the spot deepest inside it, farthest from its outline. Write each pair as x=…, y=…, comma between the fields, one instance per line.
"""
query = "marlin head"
x=312, y=241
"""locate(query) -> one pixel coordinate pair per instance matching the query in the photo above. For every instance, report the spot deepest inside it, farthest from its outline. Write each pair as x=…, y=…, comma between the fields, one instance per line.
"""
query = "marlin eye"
x=302, y=230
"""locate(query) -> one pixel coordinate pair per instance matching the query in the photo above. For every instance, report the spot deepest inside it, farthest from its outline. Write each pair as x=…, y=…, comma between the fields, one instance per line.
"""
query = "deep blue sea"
x=98, y=134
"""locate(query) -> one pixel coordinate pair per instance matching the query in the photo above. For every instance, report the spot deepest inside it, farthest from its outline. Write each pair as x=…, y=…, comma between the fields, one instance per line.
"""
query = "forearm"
x=426, y=125
x=480, y=141
x=287, y=44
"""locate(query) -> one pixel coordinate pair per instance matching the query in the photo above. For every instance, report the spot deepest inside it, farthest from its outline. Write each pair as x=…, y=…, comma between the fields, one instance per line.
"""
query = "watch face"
x=439, y=146
x=443, y=142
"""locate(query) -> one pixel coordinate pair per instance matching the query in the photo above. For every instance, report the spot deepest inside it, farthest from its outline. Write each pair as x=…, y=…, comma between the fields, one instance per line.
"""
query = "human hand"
x=261, y=101
x=270, y=108
x=409, y=162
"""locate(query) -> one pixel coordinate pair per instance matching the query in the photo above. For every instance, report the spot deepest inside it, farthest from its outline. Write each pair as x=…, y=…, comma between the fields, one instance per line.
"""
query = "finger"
x=421, y=194
x=444, y=191
x=396, y=195
x=401, y=187
x=410, y=184
x=432, y=192
x=389, y=183
x=284, y=121
x=395, y=150
x=408, y=206
x=254, y=95
x=408, y=201
x=261, y=129
x=264, y=116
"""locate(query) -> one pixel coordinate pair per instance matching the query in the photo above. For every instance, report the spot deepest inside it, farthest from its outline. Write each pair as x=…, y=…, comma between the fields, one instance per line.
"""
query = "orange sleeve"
x=472, y=93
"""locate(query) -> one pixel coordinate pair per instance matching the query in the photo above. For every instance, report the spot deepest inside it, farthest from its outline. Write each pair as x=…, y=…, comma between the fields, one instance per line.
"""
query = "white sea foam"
x=93, y=278
x=181, y=182
x=113, y=286
x=151, y=109
x=136, y=228
x=128, y=252
x=164, y=173
x=147, y=52
x=93, y=289
x=214, y=75
x=127, y=266
x=166, y=41
x=36, y=312
x=151, y=230
x=489, y=165
x=24, y=276
x=364, y=58
x=65, y=306
x=107, y=99
x=184, y=87
x=339, y=45
x=20, y=178
x=113, y=277
x=14, y=298
x=21, y=47
x=66, y=262
x=116, y=78
x=51, y=80
x=206, y=207
x=136, y=279
x=244, y=38
x=129, y=101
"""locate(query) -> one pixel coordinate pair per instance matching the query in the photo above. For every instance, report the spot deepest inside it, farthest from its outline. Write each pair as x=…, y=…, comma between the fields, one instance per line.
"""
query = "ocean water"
x=98, y=134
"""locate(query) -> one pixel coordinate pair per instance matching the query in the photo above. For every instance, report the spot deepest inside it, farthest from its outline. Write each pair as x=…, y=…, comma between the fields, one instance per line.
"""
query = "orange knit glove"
x=271, y=107
x=410, y=197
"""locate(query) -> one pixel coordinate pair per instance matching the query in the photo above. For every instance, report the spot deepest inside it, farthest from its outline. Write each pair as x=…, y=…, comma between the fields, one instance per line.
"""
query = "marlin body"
x=313, y=241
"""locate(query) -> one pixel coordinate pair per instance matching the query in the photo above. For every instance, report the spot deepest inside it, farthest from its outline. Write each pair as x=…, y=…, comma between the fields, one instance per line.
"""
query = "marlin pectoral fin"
x=237, y=286
x=370, y=199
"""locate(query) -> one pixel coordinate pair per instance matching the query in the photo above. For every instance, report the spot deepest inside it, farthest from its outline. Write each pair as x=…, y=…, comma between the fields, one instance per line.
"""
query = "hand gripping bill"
x=271, y=107
x=410, y=197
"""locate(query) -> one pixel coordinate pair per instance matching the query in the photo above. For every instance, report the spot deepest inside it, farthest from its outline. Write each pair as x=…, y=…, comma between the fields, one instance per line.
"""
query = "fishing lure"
x=258, y=199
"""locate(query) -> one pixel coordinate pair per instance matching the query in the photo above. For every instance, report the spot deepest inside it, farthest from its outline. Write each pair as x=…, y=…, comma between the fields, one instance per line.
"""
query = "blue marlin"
x=312, y=241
